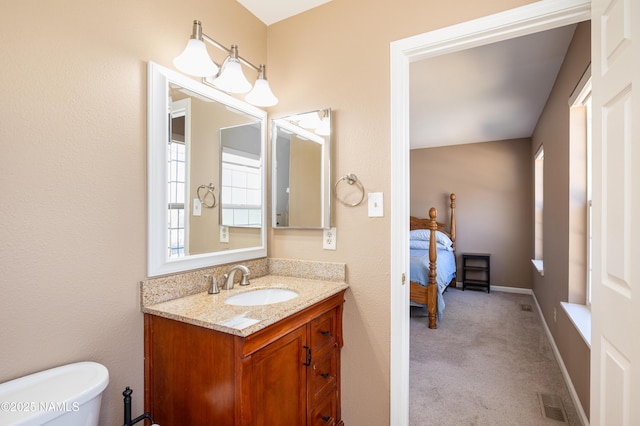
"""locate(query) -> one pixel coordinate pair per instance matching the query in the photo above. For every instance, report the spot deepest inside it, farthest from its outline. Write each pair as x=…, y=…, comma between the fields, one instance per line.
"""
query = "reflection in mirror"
x=240, y=171
x=301, y=170
x=186, y=184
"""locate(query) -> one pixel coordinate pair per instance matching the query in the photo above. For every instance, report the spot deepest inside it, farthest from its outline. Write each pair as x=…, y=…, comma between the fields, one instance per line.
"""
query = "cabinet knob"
x=324, y=333
x=325, y=375
x=326, y=418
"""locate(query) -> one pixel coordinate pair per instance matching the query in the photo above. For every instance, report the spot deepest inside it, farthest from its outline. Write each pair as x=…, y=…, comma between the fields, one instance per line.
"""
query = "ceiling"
x=488, y=93
x=272, y=11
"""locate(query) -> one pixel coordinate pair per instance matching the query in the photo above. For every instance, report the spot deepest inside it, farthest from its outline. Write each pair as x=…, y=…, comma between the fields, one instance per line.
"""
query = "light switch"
x=197, y=207
x=376, y=207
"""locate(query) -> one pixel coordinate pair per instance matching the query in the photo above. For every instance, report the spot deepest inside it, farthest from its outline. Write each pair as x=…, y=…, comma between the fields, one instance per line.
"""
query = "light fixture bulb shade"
x=261, y=94
x=309, y=120
x=194, y=60
x=325, y=127
x=232, y=78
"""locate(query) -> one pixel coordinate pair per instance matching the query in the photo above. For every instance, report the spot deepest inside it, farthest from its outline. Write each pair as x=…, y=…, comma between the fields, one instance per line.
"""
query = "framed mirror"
x=197, y=135
x=301, y=170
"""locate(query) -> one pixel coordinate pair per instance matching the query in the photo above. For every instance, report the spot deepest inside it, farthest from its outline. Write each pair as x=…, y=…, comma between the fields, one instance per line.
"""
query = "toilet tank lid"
x=68, y=386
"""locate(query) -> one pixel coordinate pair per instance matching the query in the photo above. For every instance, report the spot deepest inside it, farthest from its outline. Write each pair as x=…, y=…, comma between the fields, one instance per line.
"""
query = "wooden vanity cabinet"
x=286, y=374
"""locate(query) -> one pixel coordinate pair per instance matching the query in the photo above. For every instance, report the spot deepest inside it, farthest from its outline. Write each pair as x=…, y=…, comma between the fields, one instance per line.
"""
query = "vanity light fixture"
x=194, y=60
x=317, y=121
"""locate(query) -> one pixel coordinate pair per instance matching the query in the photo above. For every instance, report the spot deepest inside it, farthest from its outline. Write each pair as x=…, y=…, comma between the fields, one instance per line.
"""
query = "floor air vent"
x=552, y=407
x=526, y=307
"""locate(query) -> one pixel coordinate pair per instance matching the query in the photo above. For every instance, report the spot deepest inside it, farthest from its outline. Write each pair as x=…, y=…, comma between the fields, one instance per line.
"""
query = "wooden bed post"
x=452, y=222
x=432, y=288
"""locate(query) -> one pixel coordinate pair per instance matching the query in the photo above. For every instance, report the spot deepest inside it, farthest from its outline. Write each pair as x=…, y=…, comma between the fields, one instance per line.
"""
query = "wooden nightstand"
x=476, y=270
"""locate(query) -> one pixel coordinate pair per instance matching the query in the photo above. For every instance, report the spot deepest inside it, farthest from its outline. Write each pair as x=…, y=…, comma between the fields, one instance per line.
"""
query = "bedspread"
x=445, y=268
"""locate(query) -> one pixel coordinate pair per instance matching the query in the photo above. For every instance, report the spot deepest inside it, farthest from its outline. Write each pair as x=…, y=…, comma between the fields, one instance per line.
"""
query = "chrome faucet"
x=228, y=278
x=213, y=284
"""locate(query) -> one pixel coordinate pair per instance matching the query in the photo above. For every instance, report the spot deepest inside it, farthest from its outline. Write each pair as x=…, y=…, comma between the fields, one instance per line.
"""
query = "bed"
x=432, y=261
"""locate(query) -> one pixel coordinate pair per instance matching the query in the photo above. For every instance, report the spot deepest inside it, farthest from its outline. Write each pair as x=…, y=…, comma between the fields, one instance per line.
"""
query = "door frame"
x=535, y=17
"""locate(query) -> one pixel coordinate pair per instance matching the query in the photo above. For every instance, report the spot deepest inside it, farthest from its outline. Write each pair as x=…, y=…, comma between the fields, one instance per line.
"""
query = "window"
x=177, y=179
x=241, y=198
x=176, y=174
x=538, y=209
x=580, y=226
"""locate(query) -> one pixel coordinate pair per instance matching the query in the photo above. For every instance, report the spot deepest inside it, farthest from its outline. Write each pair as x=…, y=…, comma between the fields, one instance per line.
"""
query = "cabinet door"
x=279, y=377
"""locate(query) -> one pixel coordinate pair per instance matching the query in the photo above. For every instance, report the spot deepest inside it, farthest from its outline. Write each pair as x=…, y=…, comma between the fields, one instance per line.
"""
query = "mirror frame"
x=158, y=262
x=327, y=152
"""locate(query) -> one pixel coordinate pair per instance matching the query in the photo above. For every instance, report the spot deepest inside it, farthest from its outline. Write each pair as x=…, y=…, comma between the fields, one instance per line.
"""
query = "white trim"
x=535, y=17
x=157, y=130
x=539, y=265
x=563, y=368
x=582, y=89
x=580, y=316
x=399, y=297
x=517, y=290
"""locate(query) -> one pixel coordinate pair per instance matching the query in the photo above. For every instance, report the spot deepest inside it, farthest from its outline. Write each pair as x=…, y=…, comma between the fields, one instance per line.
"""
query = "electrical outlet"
x=224, y=234
x=329, y=239
x=554, y=315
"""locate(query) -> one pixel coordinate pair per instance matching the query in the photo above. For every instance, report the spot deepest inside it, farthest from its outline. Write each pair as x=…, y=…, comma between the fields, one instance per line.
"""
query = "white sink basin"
x=264, y=296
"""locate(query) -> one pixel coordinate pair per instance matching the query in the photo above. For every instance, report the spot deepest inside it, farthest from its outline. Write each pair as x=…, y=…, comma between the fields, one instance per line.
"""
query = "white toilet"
x=69, y=395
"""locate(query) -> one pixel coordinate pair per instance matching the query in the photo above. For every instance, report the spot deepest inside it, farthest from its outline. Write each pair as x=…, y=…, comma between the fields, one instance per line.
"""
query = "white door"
x=615, y=350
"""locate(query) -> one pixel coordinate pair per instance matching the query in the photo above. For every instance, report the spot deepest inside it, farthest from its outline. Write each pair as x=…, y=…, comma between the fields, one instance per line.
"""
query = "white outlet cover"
x=329, y=239
x=224, y=234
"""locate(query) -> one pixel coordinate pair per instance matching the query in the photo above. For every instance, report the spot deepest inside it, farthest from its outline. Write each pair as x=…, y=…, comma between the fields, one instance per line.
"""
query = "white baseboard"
x=563, y=368
x=511, y=289
x=503, y=289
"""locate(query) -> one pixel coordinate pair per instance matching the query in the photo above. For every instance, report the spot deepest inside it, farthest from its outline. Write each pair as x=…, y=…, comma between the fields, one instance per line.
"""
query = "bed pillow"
x=425, y=235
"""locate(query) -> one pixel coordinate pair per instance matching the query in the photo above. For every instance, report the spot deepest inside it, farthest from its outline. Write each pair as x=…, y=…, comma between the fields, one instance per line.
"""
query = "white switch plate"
x=329, y=239
x=376, y=207
x=224, y=234
x=197, y=207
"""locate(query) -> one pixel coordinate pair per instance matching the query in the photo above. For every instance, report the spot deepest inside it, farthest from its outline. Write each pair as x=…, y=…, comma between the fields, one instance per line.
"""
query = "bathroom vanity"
x=282, y=370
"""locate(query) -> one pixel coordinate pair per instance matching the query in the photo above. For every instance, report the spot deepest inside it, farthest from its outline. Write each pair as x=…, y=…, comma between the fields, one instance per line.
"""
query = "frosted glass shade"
x=310, y=120
x=325, y=127
x=261, y=94
x=195, y=60
x=232, y=78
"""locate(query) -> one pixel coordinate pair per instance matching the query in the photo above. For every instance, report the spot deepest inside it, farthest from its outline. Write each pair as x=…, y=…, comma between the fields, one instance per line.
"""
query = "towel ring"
x=350, y=179
x=210, y=188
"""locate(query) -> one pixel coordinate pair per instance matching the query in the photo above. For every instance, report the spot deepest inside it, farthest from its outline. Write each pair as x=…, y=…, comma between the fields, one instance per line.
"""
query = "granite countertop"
x=210, y=311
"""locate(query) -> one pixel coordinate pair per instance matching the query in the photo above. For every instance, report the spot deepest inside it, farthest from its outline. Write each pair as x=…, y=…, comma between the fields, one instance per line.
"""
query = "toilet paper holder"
x=127, y=410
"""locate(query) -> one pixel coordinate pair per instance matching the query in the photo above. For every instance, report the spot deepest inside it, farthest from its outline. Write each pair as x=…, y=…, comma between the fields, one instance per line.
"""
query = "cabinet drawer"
x=324, y=374
x=323, y=330
x=325, y=413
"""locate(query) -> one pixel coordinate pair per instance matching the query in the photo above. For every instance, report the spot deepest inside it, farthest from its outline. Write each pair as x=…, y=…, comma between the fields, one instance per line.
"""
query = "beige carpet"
x=484, y=365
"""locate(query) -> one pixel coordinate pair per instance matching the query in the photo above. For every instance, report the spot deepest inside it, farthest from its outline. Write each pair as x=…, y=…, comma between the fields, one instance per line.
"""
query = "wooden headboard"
x=418, y=223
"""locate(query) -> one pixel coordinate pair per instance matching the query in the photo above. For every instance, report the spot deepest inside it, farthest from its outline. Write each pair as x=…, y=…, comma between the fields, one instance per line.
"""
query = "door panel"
x=615, y=383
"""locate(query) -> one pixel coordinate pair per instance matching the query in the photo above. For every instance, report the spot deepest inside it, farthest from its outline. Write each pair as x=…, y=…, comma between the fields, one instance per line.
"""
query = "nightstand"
x=476, y=270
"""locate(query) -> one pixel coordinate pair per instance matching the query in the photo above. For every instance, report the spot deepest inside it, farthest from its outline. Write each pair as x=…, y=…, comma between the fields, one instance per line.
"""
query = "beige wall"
x=338, y=56
x=552, y=131
x=73, y=214
x=492, y=183
x=73, y=217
